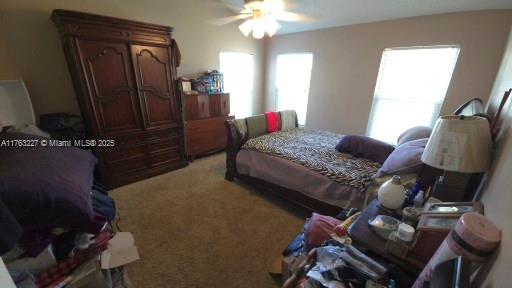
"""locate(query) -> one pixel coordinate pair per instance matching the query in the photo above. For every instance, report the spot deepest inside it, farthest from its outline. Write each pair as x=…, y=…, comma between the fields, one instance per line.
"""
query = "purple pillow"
x=414, y=133
x=46, y=187
x=365, y=147
x=405, y=159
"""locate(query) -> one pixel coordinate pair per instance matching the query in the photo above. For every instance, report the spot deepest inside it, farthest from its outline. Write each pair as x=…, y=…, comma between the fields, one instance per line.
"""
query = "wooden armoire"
x=124, y=75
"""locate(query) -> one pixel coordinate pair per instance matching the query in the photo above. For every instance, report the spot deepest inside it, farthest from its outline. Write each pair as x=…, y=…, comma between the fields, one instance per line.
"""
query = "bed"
x=303, y=166
x=306, y=161
x=300, y=165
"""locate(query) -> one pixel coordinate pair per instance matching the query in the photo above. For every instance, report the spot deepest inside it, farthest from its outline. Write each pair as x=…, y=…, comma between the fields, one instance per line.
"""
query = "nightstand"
x=365, y=239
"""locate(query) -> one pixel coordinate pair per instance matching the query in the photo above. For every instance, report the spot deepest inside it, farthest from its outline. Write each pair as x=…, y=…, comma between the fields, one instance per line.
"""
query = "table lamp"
x=16, y=111
x=461, y=146
x=7, y=117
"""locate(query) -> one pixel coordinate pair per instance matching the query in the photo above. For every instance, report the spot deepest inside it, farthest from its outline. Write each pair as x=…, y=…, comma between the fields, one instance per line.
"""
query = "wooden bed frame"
x=236, y=140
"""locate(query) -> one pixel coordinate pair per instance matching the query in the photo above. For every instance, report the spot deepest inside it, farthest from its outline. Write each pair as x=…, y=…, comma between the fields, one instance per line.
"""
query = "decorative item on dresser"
x=124, y=75
x=392, y=193
x=205, y=115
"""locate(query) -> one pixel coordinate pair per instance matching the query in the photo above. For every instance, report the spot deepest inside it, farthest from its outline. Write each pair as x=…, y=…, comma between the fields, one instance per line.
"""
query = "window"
x=410, y=90
x=293, y=72
x=238, y=70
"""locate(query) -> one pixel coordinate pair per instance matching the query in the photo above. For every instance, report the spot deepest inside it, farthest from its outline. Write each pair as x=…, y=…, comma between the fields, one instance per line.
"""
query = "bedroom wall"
x=30, y=46
x=346, y=62
x=497, y=197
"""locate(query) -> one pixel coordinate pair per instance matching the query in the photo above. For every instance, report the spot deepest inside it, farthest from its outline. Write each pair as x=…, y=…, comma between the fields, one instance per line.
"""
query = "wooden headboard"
x=475, y=107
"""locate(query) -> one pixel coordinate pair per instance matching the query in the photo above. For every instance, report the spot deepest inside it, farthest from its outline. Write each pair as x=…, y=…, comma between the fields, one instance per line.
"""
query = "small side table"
x=365, y=238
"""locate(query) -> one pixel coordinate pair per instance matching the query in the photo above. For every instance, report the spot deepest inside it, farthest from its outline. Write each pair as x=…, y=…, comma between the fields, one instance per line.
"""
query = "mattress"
x=315, y=150
x=296, y=177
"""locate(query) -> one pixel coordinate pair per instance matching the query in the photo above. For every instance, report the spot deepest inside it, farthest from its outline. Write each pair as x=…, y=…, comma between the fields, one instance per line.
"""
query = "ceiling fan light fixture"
x=272, y=26
x=253, y=4
x=263, y=18
x=246, y=27
x=257, y=34
x=258, y=29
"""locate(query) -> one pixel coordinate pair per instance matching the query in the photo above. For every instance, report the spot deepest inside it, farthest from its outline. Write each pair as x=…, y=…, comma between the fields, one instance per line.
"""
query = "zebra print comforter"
x=315, y=150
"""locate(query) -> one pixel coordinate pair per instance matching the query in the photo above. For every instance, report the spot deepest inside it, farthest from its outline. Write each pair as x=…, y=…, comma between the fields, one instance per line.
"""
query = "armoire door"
x=155, y=77
x=111, y=84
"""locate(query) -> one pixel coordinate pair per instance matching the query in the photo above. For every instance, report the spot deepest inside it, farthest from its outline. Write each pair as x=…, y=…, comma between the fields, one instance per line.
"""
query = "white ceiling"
x=332, y=13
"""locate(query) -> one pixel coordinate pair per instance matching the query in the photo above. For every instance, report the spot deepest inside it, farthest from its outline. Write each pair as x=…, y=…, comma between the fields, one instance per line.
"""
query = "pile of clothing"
x=50, y=258
x=54, y=217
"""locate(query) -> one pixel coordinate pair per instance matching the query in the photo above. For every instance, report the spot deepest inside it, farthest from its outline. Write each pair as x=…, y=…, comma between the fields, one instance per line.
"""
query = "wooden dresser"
x=204, y=123
x=124, y=75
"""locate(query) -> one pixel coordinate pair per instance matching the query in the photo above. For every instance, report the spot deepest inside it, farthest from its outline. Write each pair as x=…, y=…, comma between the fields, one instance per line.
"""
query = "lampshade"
x=459, y=144
x=259, y=26
x=15, y=105
x=7, y=116
x=246, y=27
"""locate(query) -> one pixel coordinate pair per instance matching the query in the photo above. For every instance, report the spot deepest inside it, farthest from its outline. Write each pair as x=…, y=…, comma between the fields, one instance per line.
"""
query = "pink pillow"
x=319, y=229
x=272, y=121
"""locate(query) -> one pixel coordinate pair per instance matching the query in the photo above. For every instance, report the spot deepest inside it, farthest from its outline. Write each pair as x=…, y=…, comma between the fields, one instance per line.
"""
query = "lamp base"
x=456, y=187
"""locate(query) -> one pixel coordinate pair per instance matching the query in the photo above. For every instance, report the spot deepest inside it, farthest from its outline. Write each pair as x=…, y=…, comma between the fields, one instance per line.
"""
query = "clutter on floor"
x=73, y=258
x=383, y=247
x=57, y=222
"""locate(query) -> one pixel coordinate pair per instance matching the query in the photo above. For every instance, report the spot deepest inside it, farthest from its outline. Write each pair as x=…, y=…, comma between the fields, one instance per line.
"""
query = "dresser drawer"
x=163, y=145
x=197, y=106
x=206, y=135
x=162, y=158
x=127, y=166
x=199, y=126
x=215, y=107
x=123, y=153
x=129, y=140
x=206, y=142
x=162, y=135
x=163, y=140
x=219, y=104
x=198, y=148
x=224, y=104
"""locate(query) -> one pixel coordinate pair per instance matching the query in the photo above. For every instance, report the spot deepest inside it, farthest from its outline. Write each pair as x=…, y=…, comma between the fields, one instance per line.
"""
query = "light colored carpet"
x=195, y=229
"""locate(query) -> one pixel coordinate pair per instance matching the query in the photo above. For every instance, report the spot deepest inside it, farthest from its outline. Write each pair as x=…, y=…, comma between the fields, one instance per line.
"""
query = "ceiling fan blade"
x=245, y=11
x=227, y=20
x=225, y=4
x=293, y=17
x=289, y=5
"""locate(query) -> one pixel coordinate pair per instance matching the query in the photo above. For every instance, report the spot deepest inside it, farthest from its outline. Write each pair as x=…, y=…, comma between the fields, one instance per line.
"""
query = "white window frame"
x=276, y=95
x=250, y=101
x=439, y=104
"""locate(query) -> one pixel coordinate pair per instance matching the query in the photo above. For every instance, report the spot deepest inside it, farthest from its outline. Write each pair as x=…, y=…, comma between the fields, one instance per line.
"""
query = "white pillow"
x=288, y=119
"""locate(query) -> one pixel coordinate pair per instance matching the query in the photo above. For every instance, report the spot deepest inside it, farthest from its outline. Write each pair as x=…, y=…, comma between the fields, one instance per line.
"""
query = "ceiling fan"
x=262, y=17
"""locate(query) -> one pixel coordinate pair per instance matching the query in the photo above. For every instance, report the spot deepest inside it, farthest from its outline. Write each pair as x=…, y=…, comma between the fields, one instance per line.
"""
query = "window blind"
x=411, y=87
